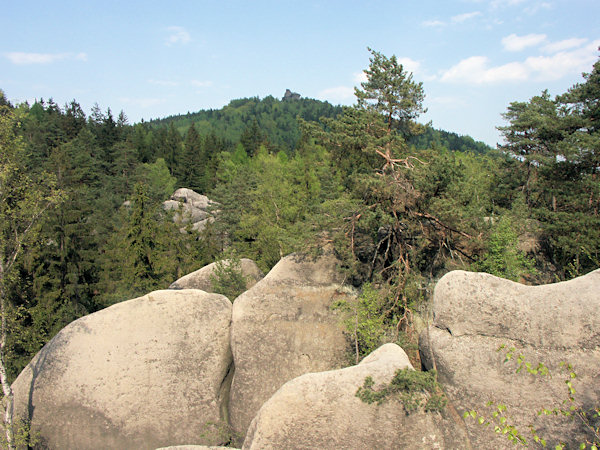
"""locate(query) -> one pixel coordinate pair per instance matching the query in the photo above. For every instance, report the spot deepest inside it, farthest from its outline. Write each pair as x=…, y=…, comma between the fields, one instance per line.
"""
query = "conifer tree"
x=23, y=202
x=193, y=161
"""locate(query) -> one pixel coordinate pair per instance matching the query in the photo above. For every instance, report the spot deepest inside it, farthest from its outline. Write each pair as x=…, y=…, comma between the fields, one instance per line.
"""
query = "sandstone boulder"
x=476, y=313
x=190, y=207
x=194, y=447
x=321, y=410
x=141, y=374
x=284, y=327
x=202, y=278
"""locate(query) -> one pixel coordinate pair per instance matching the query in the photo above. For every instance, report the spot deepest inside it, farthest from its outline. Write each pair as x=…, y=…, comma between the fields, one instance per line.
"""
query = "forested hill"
x=278, y=121
x=432, y=137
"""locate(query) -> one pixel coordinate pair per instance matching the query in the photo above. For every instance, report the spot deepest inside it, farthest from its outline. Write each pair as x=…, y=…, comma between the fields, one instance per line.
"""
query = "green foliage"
x=503, y=257
x=157, y=178
x=254, y=121
x=401, y=210
x=228, y=278
x=391, y=93
x=569, y=407
x=432, y=137
x=364, y=321
x=414, y=388
x=555, y=142
x=24, y=436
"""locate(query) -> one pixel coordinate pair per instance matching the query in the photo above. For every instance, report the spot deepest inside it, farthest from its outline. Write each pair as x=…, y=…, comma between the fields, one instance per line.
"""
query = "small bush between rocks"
x=228, y=278
x=414, y=388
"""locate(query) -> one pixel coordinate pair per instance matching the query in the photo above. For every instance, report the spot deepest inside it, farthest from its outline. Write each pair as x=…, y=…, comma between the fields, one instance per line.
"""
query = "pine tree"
x=193, y=161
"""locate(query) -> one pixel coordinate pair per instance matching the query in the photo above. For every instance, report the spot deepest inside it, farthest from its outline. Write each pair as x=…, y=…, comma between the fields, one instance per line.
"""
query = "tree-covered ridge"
x=275, y=121
x=240, y=119
x=447, y=139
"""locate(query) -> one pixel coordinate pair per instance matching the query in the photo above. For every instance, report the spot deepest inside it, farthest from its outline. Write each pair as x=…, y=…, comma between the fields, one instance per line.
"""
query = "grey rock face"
x=140, y=374
x=190, y=207
x=202, y=278
x=475, y=313
x=321, y=410
x=284, y=327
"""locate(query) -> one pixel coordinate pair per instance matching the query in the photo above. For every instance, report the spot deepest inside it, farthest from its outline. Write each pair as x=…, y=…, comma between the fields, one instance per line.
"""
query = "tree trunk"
x=6, y=388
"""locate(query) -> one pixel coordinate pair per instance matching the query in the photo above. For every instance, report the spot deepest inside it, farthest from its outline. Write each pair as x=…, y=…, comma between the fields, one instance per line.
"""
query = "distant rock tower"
x=289, y=95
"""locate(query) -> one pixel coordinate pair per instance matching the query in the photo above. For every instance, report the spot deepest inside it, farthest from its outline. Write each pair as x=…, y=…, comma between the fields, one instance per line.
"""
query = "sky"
x=153, y=59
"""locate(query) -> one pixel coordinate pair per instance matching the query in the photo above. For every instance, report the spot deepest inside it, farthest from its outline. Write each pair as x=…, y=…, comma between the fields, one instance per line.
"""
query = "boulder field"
x=188, y=369
x=190, y=208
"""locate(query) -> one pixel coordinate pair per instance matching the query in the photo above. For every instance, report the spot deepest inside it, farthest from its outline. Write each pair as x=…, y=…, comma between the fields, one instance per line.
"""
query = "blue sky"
x=152, y=59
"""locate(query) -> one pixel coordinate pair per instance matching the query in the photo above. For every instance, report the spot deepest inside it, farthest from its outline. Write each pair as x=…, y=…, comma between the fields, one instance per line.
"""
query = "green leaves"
x=415, y=389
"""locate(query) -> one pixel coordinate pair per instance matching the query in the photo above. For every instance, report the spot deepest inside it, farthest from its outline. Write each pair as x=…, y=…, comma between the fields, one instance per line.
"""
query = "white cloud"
x=556, y=66
x=504, y=3
x=537, y=6
x=565, y=44
x=179, y=35
x=360, y=77
x=410, y=65
x=433, y=23
x=141, y=102
x=478, y=70
x=337, y=94
x=22, y=58
x=201, y=84
x=460, y=18
x=162, y=82
x=514, y=43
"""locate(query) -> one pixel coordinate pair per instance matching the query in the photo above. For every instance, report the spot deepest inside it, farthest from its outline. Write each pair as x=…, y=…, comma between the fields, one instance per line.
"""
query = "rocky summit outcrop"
x=476, y=313
x=203, y=278
x=190, y=208
x=284, y=327
x=141, y=374
x=321, y=410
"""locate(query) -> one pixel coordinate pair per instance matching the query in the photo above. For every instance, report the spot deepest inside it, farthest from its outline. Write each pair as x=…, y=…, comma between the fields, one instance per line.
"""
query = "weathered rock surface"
x=321, y=410
x=202, y=278
x=193, y=447
x=475, y=313
x=140, y=374
x=190, y=207
x=284, y=327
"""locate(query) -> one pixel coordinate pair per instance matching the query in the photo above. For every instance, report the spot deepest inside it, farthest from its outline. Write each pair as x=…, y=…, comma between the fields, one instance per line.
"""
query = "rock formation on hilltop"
x=289, y=95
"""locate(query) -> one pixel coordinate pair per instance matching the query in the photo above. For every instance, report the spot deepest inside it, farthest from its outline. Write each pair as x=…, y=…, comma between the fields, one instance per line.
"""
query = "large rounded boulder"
x=485, y=328
x=321, y=410
x=284, y=327
x=141, y=374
